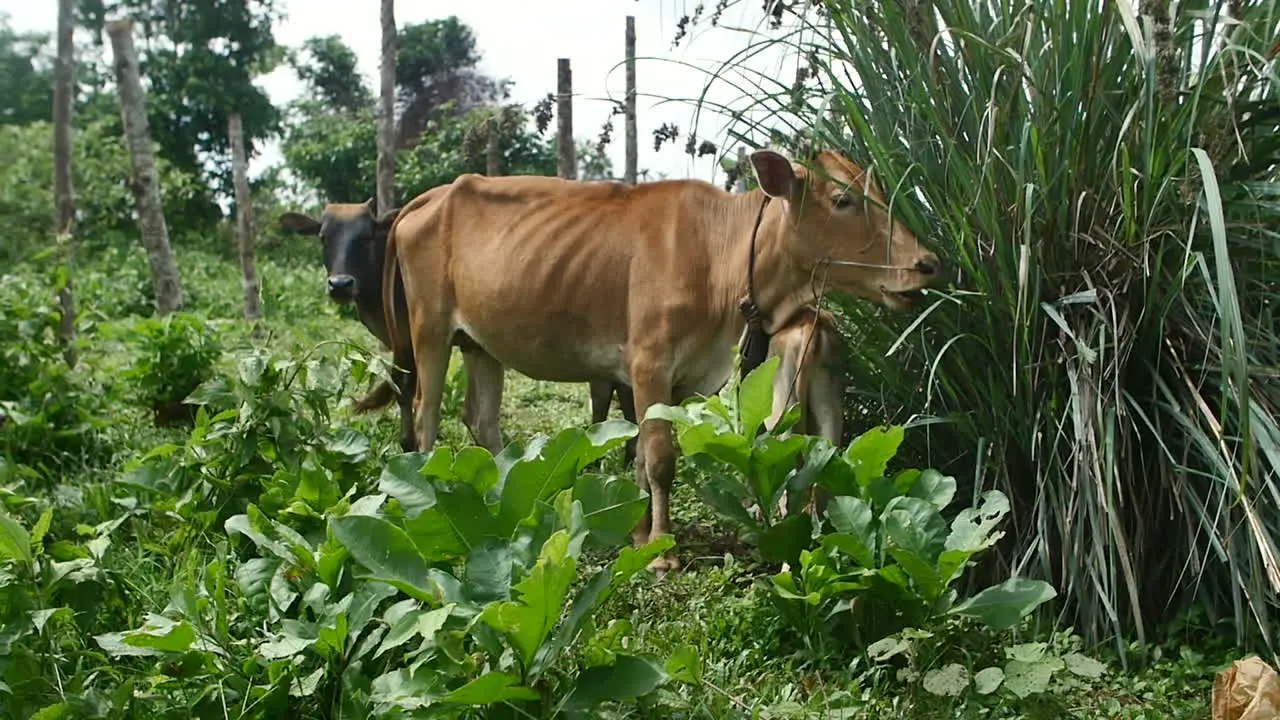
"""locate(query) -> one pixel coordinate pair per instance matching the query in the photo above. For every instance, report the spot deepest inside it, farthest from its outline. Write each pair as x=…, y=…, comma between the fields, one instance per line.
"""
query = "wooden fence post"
x=629, y=172
x=64, y=90
x=244, y=222
x=386, y=174
x=742, y=168
x=145, y=183
x=568, y=164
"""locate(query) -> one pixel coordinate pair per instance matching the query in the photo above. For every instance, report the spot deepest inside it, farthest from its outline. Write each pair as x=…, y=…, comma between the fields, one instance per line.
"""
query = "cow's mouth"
x=901, y=299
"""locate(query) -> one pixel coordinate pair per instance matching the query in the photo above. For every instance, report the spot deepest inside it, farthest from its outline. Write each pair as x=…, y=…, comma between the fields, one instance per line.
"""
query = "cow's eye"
x=843, y=201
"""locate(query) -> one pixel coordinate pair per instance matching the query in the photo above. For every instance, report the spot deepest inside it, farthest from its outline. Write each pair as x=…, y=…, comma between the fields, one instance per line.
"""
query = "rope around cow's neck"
x=755, y=344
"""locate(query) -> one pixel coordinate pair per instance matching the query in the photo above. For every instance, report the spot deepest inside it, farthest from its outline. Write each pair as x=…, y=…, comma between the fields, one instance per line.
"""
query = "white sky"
x=521, y=40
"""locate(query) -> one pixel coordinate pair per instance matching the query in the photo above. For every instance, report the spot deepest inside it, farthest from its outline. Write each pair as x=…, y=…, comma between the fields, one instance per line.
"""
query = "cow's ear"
x=299, y=223
x=774, y=172
x=388, y=217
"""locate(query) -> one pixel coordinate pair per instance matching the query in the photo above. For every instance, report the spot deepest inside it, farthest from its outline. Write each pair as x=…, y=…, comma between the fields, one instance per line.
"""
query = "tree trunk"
x=568, y=164
x=64, y=90
x=493, y=146
x=145, y=184
x=387, y=112
x=244, y=221
x=629, y=172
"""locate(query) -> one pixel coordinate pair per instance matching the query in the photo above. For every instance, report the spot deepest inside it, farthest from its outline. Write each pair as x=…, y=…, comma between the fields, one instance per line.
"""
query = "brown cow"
x=579, y=282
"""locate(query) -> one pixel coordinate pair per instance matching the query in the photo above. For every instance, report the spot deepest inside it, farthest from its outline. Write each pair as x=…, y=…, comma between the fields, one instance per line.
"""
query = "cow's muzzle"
x=342, y=288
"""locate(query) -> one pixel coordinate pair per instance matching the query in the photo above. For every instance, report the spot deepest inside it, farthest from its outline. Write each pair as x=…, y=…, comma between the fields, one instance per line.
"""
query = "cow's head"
x=353, y=243
x=838, y=227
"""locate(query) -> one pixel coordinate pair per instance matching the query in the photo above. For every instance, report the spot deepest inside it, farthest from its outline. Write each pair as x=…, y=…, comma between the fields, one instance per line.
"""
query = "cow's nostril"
x=341, y=282
x=928, y=265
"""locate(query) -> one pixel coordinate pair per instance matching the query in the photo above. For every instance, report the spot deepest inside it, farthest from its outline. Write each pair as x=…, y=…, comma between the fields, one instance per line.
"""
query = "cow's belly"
x=705, y=364
x=551, y=346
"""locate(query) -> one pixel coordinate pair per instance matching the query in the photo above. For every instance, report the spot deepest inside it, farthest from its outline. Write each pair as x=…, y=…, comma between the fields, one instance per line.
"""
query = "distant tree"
x=26, y=76
x=436, y=62
x=327, y=66
x=336, y=154
x=593, y=163
x=199, y=59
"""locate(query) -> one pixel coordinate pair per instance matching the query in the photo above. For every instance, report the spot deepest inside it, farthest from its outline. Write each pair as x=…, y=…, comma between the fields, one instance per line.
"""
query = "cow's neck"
x=781, y=287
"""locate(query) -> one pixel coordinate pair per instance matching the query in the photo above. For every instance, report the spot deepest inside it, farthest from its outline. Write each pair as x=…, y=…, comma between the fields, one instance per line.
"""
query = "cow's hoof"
x=407, y=445
x=663, y=564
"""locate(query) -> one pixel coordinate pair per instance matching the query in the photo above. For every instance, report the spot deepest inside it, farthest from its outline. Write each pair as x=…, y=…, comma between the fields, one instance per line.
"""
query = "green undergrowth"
x=272, y=553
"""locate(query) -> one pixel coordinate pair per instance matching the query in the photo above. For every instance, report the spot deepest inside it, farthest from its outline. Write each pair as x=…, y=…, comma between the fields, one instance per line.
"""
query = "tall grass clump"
x=1101, y=180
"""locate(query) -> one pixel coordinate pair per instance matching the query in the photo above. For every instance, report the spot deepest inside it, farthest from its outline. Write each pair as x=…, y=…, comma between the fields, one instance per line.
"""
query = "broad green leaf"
x=403, y=480
x=972, y=530
x=921, y=572
x=15, y=542
x=1002, y=606
x=162, y=634
x=727, y=447
x=948, y=681
x=114, y=644
x=685, y=664
x=528, y=620
x=817, y=456
x=870, y=452
x=492, y=687
x=755, y=396
x=783, y=542
x=348, y=442
x=887, y=647
x=719, y=493
x=987, y=680
x=631, y=560
x=1083, y=665
x=388, y=553
x=611, y=506
x=914, y=525
x=773, y=460
x=1028, y=678
x=476, y=467
x=547, y=468
x=853, y=520
x=409, y=689
x=628, y=677
x=421, y=623
x=489, y=570
x=934, y=488
x=436, y=535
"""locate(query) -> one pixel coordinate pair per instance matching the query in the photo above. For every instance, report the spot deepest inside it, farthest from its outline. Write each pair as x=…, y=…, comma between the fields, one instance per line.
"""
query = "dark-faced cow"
x=604, y=282
x=353, y=247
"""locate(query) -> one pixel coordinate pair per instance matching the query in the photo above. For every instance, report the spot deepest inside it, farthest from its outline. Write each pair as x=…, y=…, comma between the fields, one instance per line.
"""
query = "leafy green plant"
x=769, y=464
x=480, y=555
x=177, y=354
x=886, y=558
x=1100, y=180
x=49, y=418
x=262, y=436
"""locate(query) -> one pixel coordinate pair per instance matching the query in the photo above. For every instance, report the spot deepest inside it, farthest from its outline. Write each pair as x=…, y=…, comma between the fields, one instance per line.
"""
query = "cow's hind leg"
x=627, y=400
x=406, y=382
x=484, y=398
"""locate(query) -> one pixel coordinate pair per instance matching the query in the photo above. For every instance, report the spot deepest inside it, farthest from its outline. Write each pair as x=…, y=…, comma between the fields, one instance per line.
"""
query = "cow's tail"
x=381, y=396
x=393, y=291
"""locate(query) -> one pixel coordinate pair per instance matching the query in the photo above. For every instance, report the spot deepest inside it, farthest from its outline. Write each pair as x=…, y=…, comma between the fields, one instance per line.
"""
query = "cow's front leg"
x=656, y=464
x=431, y=350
